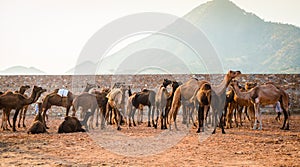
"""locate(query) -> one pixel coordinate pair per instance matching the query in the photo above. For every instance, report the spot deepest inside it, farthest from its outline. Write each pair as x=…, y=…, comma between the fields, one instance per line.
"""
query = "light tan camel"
x=161, y=99
x=262, y=95
x=116, y=103
x=17, y=101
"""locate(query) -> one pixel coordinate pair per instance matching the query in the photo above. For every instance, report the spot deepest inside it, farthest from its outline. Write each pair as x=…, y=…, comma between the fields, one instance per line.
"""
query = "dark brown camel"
x=86, y=102
x=21, y=90
x=55, y=99
x=37, y=126
x=71, y=125
x=146, y=98
x=17, y=101
x=266, y=94
x=102, y=102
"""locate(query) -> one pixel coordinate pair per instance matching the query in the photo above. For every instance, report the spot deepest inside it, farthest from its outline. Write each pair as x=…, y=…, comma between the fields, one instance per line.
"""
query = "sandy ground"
x=144, y=146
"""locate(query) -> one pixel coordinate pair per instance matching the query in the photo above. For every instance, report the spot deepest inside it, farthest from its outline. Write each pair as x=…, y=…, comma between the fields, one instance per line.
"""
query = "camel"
x=218, y=98
x=239, y=104
x=37, y=126
x=267, y=94
x=17, y=101
x=186, y=91
x=182, y=96
x=116, y=104
x=55, y=99
x=146, y=98
x=102, y=102
x=86, y=101
x=163, y=100
x=21, y=90
x=71, y=124
x=202, y=101
x=22, y=114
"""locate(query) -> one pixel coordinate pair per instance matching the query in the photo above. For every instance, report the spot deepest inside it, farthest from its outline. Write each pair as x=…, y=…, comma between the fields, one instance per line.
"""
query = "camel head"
x=232, y=74
x=250, y=85
x=166, y=82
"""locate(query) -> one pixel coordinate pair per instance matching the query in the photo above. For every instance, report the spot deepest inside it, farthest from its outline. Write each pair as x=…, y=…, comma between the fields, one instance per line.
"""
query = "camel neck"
x=221, y=88
x=241, y=95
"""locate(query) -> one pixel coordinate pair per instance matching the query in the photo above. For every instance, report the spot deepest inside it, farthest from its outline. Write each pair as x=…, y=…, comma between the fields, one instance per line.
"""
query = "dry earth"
x=143, y=146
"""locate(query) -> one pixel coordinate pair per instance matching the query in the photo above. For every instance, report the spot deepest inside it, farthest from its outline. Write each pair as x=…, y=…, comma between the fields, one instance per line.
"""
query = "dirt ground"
x=144, y=146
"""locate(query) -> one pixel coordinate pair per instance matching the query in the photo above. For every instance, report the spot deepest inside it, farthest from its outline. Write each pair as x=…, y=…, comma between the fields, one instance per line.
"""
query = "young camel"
x=266, y=94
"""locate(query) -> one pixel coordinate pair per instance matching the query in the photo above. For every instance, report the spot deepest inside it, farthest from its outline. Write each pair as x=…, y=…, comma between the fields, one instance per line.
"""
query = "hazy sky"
x=50, y=34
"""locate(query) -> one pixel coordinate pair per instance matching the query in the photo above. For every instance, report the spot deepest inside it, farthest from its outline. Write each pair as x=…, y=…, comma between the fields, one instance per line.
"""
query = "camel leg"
x=4, y=120
x=149, y=114
x=286, y=120
x=200, y=118
x=260, y=119
x=44, y=118
x=184, y=114
x=15, y=119
x=24, y=115
x=118, y=117
x=256, y=116
x=97, y=117
x=20, y=118
x=215, y=121
x=229, y=116
x=221, y=122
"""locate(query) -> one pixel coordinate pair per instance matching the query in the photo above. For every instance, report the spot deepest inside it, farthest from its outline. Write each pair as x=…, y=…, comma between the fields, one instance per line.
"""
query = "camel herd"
x=119, y=105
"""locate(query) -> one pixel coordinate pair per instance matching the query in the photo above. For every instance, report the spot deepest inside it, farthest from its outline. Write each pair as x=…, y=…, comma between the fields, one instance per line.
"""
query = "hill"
x=241, y=39
x=21, y=70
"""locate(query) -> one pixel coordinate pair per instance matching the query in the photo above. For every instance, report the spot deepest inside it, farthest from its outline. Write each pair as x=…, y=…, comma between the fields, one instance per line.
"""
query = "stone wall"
x=289, y=82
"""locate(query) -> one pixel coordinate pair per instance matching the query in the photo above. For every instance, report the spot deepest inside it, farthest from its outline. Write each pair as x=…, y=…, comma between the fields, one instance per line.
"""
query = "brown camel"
x=267, y=94
x=130, y=112
x=17, y=101
x=71, y=125
x=240, y=104
x=87, y=102
x=55, y=99
x=218, y=97
x=202, y=102
x=21, y=90
x=22, y=114
x=182, y=96
x=102, y=102
x=37, y=126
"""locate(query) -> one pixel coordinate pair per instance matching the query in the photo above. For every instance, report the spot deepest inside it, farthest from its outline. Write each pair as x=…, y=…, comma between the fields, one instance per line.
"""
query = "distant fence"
x=289, y=82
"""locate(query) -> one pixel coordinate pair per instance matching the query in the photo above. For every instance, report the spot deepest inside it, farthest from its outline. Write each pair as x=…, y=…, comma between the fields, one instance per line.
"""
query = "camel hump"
x=145, y=90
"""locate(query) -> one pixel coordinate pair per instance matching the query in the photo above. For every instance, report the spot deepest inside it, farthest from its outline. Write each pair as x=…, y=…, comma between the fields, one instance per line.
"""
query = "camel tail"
x=175, y=104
